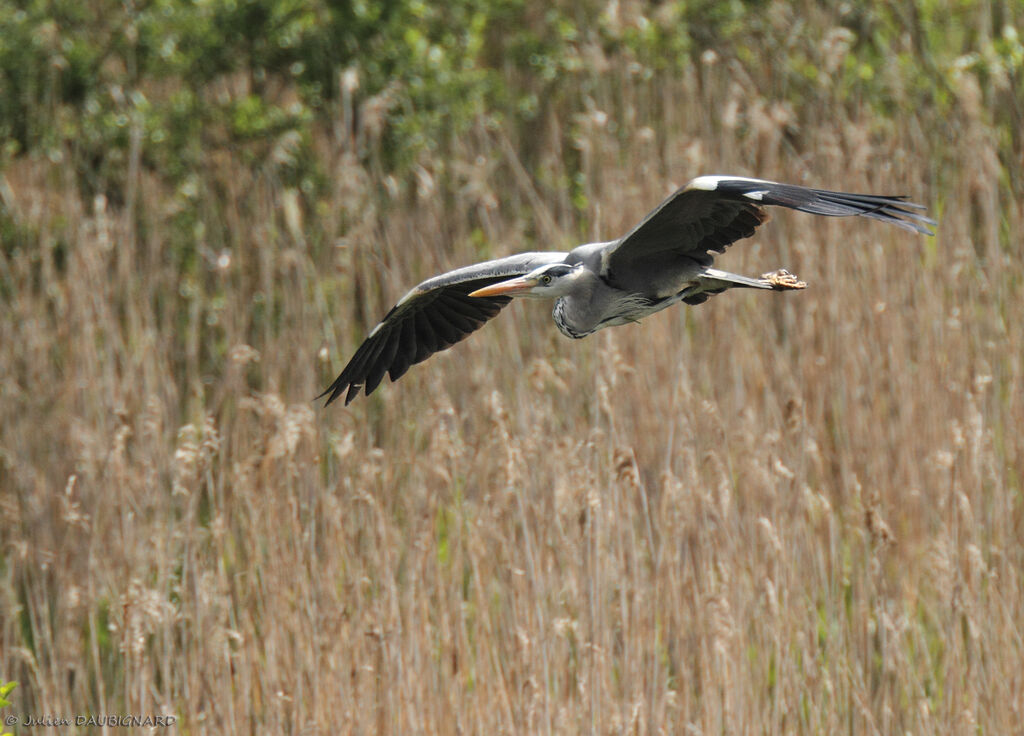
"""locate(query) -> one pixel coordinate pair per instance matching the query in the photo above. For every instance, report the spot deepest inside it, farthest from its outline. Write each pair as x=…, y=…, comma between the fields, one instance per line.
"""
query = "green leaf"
x=5, y=690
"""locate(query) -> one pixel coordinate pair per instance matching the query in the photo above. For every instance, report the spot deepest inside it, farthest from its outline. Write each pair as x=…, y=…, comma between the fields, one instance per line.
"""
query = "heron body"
x=666, y=259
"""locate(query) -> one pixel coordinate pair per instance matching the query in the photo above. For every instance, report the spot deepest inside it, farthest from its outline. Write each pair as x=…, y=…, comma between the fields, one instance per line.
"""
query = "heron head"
x=546, y=282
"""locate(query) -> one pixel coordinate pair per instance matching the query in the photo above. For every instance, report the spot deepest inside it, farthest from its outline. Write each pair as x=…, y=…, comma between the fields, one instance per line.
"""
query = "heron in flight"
x=665, y=259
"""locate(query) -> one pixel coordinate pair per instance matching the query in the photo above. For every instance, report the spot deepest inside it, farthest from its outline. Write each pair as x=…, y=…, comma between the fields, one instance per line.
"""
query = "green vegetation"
x=185, y=79
x=6, y=688
x=793, y=513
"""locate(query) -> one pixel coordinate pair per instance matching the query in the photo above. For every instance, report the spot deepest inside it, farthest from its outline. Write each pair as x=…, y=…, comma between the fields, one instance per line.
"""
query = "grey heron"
x=665, y=259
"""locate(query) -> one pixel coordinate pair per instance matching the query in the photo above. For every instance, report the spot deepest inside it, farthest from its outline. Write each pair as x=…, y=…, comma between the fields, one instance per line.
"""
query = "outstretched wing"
x=712, y=212
x=432, y=317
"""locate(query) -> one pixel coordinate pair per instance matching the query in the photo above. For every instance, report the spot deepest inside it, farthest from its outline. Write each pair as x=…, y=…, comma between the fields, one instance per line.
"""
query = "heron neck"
x=581, y=312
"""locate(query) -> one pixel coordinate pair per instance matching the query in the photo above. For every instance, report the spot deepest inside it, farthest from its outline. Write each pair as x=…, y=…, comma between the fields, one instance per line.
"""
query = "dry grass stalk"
x=662, y=529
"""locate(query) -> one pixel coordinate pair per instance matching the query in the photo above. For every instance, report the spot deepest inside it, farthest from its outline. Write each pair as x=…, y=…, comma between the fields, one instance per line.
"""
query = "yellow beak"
x=506, y=288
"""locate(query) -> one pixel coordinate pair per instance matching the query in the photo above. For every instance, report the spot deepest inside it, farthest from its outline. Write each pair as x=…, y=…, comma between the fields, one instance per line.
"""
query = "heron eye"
x=545, y=279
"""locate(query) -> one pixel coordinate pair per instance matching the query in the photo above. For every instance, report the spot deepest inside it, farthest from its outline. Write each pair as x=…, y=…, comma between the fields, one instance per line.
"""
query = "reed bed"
x=781, y=513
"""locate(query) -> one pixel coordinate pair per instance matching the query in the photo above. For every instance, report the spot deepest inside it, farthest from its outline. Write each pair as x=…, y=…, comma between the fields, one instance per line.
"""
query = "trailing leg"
x=712, y=281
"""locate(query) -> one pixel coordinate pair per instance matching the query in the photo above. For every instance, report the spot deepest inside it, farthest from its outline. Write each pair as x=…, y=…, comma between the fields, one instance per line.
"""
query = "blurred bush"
x=187, y=77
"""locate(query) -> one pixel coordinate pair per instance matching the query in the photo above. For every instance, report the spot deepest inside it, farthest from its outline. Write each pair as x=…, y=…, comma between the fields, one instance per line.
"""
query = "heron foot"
x=782, y=280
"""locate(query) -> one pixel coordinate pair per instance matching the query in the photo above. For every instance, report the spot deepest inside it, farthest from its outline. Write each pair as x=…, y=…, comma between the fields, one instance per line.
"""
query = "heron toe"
x=782, y=280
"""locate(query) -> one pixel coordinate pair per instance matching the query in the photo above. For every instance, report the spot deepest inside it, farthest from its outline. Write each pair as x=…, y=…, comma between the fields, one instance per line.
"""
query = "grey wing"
x=712, y=212
x=431, y=317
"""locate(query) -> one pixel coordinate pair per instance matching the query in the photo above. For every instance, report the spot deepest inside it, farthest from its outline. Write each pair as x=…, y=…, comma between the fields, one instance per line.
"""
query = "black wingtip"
x=336, y=389
x=329, y=390
x=892, y=209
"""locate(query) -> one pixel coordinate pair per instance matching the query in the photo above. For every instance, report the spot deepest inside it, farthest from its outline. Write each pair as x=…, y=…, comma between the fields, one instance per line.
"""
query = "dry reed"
x=795, y=513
